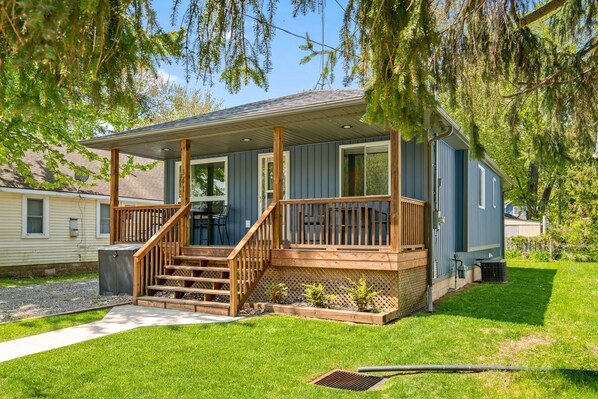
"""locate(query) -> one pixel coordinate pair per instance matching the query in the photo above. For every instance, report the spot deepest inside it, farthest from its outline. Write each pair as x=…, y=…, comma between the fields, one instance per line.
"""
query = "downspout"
x=432, y=233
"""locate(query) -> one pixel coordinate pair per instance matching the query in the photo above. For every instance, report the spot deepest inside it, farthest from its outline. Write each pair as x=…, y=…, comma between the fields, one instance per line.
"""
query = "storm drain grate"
x=341, y=379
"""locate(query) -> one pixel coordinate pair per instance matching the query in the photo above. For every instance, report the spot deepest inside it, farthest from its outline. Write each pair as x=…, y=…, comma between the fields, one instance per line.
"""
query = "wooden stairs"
x=198, y=281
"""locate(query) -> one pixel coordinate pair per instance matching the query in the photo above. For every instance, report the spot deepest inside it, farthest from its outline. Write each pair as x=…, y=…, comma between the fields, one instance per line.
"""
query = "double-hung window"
x=494, y=192
x=365, y=169
x=481, y=187
x=35, y=217
x=103, y=219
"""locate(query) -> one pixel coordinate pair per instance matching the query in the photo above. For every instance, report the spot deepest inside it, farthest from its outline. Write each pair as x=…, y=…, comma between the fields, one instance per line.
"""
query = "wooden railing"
x=159, y=250
x=250, y=259
x=350, y=222
x=136, y=224
x=336, y=222
x=413, y=227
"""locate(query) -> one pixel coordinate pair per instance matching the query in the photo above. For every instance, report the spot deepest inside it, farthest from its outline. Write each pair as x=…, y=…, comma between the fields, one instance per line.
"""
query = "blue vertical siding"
x=445, y=237
x=460, y=203
x=483, y=225
x=314, y=173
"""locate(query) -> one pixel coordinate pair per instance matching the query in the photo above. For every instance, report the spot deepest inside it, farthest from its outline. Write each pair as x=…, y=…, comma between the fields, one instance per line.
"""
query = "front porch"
x=295, y=242
x=326, y=205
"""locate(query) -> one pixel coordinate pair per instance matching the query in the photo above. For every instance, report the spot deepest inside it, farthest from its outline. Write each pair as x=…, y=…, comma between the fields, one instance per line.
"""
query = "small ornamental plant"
x=277, y=292
x=361, y=294
x=315, y=294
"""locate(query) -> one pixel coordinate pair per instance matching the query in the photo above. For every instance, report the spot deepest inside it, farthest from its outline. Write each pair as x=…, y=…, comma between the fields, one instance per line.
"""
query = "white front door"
x=266, y=179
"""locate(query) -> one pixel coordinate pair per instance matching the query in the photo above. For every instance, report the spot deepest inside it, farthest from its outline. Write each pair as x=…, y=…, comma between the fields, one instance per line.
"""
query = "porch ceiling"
x=314, y=125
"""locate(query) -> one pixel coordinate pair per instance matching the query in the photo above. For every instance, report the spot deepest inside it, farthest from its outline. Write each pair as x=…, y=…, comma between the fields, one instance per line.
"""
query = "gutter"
x=465, y=140
x=50, y=193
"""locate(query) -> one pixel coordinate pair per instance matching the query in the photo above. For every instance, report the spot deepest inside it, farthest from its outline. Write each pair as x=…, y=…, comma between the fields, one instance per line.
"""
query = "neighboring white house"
x=516, y=223
x=57, y=231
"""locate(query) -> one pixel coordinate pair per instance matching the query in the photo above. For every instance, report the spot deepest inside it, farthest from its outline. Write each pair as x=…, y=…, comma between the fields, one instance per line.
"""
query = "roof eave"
x=104, y=142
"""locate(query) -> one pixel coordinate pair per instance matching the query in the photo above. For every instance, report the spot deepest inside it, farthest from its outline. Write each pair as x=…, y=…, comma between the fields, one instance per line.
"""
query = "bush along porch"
x=297, y=191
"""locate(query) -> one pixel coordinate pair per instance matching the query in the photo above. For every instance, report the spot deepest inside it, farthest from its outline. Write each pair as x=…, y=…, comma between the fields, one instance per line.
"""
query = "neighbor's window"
x=103, y=219
x=35, y=217
x=481, y=187
x=494, y=192
x=208, y=180
x=365, y=169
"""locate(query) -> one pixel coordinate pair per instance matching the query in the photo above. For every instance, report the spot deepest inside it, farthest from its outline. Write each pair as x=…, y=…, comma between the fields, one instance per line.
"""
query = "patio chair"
x=220, y=221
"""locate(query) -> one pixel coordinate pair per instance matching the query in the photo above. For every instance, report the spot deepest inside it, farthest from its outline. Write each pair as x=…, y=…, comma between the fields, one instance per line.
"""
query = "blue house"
x=298, y=190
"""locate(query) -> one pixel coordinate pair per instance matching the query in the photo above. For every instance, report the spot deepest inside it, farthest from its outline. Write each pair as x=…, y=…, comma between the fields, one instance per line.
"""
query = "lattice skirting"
x=412, y=290
x=401, y=290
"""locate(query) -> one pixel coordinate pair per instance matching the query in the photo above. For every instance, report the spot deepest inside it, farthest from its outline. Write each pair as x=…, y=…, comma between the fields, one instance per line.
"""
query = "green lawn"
x=546, y=316
x=15, y=282
x=28, y=327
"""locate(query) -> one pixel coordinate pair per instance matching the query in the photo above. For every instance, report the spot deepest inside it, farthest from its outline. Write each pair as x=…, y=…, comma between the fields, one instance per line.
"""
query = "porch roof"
x=308, y=117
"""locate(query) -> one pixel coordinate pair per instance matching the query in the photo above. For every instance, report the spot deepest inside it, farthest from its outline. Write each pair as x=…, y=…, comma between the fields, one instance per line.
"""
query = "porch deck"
x=326, y=239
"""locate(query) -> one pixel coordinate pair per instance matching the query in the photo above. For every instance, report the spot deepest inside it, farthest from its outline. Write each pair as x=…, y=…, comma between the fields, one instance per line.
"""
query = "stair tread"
x=173, y=288
x=190, y=278
x=186, y=301
x=199, y=268
x=199, y=258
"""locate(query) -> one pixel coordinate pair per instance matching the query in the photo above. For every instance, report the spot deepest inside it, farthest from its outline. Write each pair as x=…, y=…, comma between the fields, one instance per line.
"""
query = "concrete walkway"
x=121, y=318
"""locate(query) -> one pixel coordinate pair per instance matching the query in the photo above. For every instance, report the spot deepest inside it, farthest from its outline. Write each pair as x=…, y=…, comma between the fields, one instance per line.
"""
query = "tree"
x=403, y=52
x=168, y=101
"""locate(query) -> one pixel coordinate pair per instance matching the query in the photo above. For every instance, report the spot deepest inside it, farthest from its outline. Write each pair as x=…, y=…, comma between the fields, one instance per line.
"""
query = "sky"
x=287, y=75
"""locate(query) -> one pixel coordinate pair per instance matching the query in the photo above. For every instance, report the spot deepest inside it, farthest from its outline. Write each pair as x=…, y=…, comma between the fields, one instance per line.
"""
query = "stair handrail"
x=153, y=246
x=262, y=227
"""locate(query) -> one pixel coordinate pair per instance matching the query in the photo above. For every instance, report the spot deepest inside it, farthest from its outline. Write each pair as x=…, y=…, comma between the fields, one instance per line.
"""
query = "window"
x=494, y=192
x=208, y=180
x=481, y=187
x=103, y=219
x=365, y=169
x=35, y=217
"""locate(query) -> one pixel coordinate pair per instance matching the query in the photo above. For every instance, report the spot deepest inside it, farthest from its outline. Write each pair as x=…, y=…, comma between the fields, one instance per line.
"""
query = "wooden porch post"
x=278, y=186
x=114, y=169
x=396, y=219
x=185, y=185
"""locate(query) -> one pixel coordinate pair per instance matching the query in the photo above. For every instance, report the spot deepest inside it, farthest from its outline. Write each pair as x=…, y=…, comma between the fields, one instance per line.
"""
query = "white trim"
x=28, y=191
x=177, y=178
x=260, y=157
x=46, y=217
x=364, y=145
x=494, y=192
x=99, y=204
x=481, y=187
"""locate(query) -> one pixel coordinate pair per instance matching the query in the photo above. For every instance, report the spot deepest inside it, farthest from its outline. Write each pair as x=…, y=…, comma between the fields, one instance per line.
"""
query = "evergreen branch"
x=541, y=12
x=548, y=80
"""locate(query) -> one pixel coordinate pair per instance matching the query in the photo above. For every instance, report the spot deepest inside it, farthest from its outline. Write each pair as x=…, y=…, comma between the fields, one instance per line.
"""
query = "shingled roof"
x=279, y=104
x=139, y=185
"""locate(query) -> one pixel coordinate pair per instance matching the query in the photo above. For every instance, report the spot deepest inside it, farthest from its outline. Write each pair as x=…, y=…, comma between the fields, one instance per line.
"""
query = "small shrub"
x=361, y=294
x=514, y=253
x=539, y=256
x=578, y=256
x=315, y=294
x=277, y=292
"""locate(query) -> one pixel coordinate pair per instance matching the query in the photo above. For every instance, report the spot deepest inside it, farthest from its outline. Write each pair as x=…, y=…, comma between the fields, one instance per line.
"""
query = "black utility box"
x=116, y=269
x=494, y=271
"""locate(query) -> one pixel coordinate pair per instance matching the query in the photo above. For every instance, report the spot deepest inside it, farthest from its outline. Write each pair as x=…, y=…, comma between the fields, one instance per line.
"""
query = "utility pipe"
x=432, y=207
x=468, y=367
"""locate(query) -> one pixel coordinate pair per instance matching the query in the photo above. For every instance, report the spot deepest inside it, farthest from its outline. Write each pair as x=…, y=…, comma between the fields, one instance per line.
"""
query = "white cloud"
x=169, y=77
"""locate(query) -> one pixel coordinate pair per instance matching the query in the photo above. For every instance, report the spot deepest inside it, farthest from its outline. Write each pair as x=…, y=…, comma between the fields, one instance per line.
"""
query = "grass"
x=546, y=316
x=15, y=282
x=28, y=327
